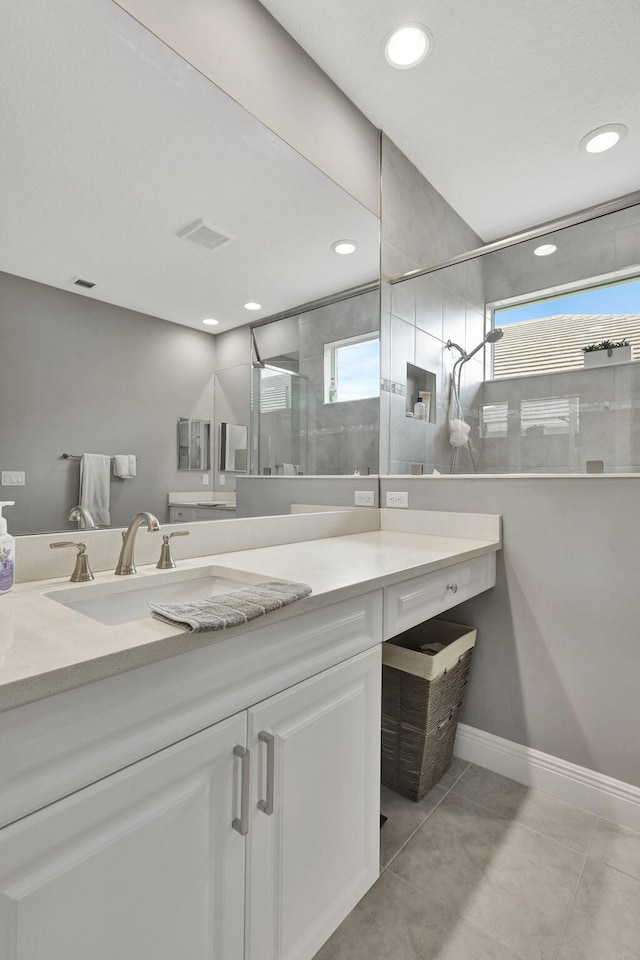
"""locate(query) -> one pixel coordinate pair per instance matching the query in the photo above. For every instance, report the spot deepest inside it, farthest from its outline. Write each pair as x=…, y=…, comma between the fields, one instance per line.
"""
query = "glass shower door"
x=279, y=435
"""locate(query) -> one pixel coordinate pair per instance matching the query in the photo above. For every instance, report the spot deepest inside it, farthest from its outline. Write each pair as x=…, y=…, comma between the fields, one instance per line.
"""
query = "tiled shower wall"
x=425, y=313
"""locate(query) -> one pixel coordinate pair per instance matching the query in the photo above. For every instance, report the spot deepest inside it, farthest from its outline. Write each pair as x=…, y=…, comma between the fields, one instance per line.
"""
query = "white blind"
x=552, y=415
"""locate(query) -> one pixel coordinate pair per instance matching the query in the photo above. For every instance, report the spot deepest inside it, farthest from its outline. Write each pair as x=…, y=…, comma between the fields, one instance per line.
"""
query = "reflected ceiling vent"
x=85, y=284
x=204, y=234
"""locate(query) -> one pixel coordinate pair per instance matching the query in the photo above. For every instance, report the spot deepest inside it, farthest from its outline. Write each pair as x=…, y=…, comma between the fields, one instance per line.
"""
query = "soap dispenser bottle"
x=7, y=552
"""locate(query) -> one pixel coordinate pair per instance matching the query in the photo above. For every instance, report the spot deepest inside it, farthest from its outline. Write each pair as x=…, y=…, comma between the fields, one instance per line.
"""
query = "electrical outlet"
x=363, y=498
x=222, y=479
x=205, y=479
x=398, y=499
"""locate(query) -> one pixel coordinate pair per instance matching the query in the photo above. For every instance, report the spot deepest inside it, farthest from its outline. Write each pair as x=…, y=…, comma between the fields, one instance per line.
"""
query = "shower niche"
x=421, y=384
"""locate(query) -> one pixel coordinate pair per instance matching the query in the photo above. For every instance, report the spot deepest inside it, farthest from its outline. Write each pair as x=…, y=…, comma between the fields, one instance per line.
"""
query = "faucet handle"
x=82, y=571
x=166, y=561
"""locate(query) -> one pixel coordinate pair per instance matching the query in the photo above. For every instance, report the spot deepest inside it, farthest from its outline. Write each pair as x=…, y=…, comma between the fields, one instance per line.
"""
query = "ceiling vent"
x=204, y=234
x=85, y=284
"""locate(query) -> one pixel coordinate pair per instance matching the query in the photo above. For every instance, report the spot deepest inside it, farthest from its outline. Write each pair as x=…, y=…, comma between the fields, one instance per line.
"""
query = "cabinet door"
x=143, y=865
x=314, y=856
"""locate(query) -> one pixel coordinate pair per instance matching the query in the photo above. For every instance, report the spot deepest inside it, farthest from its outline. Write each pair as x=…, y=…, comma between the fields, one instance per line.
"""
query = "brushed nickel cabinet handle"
x=267, y=805
x=453, y=587
x=241, y=823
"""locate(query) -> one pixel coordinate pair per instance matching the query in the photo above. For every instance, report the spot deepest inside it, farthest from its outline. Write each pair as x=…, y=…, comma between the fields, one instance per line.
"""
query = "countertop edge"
x=39, y=686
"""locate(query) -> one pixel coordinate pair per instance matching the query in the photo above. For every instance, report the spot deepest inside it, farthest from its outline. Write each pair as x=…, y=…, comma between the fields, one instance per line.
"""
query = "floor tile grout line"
x=419, y=827
x=567, y=919
x=538, y=833
x=634, y=876
x=447, y=791
x=455, y=913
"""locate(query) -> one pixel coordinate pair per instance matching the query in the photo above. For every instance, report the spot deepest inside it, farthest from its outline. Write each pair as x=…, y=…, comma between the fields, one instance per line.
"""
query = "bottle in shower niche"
x=7, y=552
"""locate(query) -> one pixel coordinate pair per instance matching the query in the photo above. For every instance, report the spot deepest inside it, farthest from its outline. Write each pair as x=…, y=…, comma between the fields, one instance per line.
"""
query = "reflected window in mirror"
x=352, y=368
x=546, y=333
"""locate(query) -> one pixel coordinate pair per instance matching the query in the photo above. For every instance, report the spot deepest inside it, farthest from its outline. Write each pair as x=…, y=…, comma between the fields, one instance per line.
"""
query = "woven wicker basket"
x=420, y=716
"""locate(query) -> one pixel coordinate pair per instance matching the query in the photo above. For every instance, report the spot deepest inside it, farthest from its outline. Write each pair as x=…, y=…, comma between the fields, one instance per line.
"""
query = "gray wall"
x=557, y=662
x=245, y=51
x=420, y=228
x=77, y=376
x=272, y=496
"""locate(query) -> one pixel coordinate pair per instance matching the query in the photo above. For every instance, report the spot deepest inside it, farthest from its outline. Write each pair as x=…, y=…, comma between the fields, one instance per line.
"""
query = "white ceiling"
x=110, y=144
x=494, y=115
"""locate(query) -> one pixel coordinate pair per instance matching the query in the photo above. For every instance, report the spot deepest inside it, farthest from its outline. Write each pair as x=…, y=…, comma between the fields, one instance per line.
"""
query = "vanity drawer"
x=412, y=602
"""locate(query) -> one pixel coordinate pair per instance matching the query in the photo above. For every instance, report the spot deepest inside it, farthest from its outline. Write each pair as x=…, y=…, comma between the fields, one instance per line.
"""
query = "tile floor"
x=486, y=869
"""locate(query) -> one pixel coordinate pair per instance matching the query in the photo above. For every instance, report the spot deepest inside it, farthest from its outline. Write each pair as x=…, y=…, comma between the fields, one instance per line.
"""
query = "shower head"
x=492, y=337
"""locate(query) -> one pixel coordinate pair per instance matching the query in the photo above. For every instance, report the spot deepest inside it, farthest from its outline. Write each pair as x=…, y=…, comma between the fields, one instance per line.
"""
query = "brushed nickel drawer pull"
x=267, y=805
x=241, y=824
x=453, y=587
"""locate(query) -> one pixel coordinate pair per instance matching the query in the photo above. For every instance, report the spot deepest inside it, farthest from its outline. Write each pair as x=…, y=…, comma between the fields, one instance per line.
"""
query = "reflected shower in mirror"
x=530, y=399
x=194, y=444
x=234, y=438
x=315, y=396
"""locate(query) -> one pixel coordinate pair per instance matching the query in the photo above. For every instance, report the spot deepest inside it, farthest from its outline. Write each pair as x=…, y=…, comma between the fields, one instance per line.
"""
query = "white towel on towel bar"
x=124, y=466
x=95, y=476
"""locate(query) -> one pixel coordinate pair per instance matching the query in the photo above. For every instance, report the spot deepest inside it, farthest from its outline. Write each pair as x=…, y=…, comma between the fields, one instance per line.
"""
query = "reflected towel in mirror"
x=124, y=466
x=95, y=476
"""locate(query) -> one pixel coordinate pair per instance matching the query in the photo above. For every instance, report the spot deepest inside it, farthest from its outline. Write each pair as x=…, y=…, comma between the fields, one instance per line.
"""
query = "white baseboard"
x=604, y=796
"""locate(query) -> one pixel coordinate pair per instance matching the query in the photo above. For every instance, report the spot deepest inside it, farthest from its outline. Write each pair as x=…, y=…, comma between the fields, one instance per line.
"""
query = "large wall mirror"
x=139, y=200
x=503, y=337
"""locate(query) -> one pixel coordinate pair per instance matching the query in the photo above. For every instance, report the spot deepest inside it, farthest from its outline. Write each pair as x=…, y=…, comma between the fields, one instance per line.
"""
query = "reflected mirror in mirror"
x=234, y=439
x=102, y=300
x=194, y=444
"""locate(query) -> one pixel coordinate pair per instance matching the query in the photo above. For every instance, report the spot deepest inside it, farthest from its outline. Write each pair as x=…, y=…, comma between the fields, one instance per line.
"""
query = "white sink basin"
x=128, y=599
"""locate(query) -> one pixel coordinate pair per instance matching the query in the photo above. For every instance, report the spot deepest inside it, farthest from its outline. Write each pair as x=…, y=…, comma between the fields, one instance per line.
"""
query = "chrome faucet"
x=83, y=518
x=125, y=563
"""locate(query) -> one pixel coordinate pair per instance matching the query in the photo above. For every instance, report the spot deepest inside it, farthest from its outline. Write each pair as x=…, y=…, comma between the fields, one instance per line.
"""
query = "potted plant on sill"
x=607, y=352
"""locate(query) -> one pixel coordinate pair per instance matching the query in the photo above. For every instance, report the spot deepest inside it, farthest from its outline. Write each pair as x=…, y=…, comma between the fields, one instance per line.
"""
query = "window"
x=352, y=368
x=494, y=420
x=549, y=416
x=548, y=334
x=275, y=391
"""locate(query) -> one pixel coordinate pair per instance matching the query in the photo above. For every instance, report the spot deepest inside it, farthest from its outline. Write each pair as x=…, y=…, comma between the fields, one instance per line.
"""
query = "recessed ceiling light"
x=545, y=250
x=408, y=46
x=603, y=138
x=210, y=322
x=344, y=247
x=253, y=306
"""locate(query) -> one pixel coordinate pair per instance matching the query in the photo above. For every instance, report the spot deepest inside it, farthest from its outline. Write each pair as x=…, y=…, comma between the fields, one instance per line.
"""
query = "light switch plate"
x=13, y=478
x=205, y=479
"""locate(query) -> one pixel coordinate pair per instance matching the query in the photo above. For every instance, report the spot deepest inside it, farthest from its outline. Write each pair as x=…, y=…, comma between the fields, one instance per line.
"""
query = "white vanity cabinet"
x=203, y=851
x=315, y=803
x=143, y=864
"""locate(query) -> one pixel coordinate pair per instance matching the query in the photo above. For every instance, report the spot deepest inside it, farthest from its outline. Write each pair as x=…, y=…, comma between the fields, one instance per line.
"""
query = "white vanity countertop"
x=46, y=648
